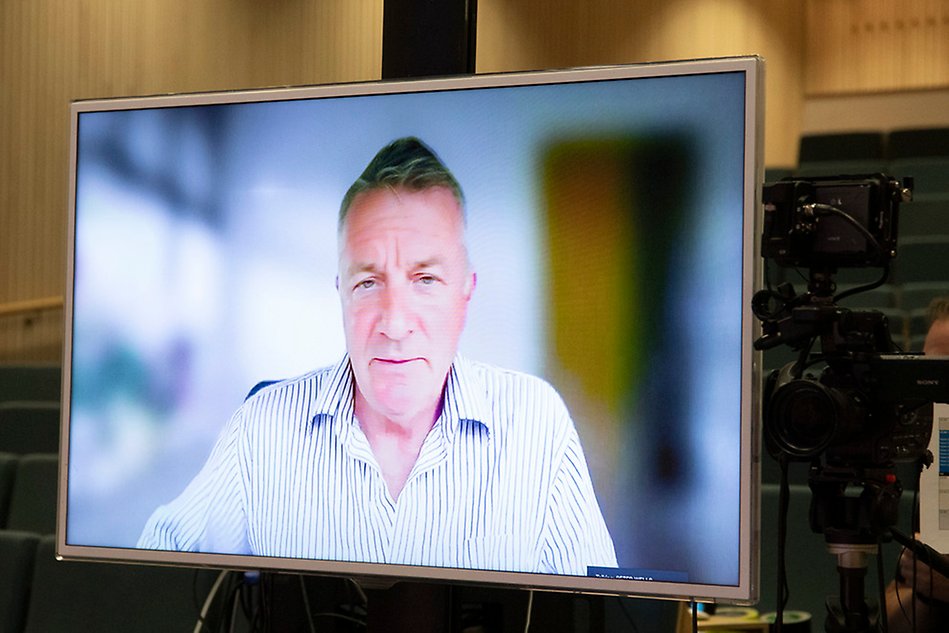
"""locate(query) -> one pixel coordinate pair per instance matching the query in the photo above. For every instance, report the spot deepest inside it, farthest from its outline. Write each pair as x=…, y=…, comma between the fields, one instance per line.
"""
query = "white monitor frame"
x=744, y=589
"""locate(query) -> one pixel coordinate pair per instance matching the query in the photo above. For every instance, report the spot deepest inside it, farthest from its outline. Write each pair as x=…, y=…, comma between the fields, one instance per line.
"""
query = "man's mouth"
x=396, y=361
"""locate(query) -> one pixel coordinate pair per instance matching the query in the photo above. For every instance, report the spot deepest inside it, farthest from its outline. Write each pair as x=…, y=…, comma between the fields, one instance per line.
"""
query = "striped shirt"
x=500, y=483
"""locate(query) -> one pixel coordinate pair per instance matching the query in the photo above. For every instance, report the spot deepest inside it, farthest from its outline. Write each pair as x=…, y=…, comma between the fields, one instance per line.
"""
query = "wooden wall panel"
x=529, y=34
x=863, y=46
x=55, y=51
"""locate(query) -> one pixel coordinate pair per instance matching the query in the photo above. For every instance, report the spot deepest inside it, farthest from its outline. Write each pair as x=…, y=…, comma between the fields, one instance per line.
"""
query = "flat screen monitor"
x=484, y=329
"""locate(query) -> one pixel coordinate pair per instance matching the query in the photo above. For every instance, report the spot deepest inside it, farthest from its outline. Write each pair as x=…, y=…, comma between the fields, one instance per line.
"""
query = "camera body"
x=834, y=405
x=842, y=415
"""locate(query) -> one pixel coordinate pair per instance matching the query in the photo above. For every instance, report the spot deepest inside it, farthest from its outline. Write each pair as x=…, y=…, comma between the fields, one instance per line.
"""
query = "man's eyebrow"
x=361, y=267
x=369, y=267
x=432, y=262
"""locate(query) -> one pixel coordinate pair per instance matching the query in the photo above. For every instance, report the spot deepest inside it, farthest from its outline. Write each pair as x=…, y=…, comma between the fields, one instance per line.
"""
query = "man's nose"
x=395, y=322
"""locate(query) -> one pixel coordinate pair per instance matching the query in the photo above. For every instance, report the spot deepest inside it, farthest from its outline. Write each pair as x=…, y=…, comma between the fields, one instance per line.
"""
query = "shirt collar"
x=463, y=398
x=334, y=398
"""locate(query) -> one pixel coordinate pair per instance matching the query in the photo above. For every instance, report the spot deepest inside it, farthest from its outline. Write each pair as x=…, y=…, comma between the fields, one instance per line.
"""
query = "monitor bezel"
x=746, y=589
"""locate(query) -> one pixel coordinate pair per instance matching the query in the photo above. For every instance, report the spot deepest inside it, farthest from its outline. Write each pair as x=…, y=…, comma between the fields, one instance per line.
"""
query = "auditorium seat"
x=815, y=169
x=923, y=259
x=849, y=277
x=842, y=146
x=38, y=382
x=924, y=217
x=883, y=297
x=17, y=553
x=918, y=327
x=774, y=174
x=33, y=498
x=29, y=427
x=8, y=462
x=918, y=142
x=930, y=176
x=918, y=294
x=841, y=154
x=75, y=596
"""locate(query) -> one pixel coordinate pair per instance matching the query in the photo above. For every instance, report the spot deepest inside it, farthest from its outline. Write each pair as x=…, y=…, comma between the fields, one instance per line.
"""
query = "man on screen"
x=404, y=452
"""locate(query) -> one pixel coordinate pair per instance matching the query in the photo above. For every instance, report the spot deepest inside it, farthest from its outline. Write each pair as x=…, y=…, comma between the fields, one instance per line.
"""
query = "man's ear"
x=337, y=282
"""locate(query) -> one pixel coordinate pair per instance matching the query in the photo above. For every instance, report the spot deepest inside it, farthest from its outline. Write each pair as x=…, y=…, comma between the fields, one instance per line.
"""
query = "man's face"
x=404, y=283
x=937, y=339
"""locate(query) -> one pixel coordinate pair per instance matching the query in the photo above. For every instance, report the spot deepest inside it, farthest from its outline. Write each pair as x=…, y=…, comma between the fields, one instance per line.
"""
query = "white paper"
x=934, y=485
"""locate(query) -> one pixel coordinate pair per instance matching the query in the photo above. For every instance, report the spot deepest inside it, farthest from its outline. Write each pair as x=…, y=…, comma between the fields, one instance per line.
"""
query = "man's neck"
x=395, y=442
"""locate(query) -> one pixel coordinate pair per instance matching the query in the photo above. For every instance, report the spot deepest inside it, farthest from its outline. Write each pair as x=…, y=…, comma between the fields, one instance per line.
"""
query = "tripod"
x=853, y=525
x=850, y=611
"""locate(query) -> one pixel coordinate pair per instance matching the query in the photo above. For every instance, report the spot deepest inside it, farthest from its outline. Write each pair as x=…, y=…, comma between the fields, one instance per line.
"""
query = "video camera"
x=847, y=413
x=858, y=404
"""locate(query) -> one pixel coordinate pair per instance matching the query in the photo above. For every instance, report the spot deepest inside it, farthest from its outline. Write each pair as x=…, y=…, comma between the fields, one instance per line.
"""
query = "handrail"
x=45, y=304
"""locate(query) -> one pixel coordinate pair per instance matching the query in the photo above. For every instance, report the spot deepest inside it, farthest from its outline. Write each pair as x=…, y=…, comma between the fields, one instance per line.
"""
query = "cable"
x=210, y=599
x=530, y=606
x=359, y=590
x=881, y=588
x=306, y=604
x=784, y=495
x=832, y=210
x=870, y=286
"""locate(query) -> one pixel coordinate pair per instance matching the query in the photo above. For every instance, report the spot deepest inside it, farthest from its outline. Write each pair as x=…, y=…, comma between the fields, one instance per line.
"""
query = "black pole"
x=428, y=38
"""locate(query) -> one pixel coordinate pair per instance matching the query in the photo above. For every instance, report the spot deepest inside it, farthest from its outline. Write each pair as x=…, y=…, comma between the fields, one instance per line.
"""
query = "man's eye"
x=426, y=280
x=366, y=284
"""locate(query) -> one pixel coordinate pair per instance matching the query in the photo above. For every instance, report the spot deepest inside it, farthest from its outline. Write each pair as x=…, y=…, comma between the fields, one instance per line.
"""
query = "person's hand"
x=925, y=614
x=930, y=585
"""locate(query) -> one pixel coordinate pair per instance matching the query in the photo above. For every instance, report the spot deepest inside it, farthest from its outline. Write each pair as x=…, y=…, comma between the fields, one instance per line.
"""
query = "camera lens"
x=802, y=418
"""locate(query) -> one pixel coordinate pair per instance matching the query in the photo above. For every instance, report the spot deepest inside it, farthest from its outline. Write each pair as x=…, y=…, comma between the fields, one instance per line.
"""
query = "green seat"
x=858, y=167
x=918, y=324
x=33, y=498
x=923, y=259
x=930, y=176
x=841, y=146
x=917, y=295
x=918, y=142
x=39, y=382
x=8, y=463
x=17, y=551
x=883, y=298
x=924, y=217
x=29, y=427
x=78, y=596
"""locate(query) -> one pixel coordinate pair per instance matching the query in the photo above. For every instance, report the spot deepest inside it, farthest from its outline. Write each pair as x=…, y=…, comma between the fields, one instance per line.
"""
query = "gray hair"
x=406, y=163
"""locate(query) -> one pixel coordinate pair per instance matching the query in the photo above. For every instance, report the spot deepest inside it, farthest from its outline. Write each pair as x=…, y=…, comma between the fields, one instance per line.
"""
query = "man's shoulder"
x=301, y=383
x=493, y=375
x=514, y=404
x=515, y=387
x=322, y=390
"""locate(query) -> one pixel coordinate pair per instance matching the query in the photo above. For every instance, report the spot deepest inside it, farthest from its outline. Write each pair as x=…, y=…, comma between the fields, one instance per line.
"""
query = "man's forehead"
x=432, y=215
x=406, y=201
